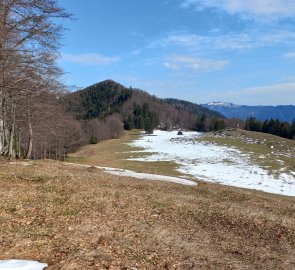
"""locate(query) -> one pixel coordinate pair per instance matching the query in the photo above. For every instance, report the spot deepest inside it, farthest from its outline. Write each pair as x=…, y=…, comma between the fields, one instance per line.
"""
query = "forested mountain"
x=130, y=108
x=193, y=108
x=105, y=108
x=97, y=101
x=230, y=110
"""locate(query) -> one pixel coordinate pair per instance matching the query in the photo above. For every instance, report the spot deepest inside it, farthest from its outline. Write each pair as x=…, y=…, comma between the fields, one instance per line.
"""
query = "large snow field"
x=211, y=162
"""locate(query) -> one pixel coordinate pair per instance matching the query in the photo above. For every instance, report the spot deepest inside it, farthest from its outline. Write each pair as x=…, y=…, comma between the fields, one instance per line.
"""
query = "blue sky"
x=241, y=51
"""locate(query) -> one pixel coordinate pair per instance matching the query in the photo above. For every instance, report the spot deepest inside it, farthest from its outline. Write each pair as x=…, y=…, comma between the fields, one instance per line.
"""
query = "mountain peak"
x=109, y=82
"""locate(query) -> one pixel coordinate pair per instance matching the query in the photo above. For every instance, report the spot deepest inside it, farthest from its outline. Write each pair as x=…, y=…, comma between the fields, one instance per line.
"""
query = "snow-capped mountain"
x=230, y=110
x=219, y=103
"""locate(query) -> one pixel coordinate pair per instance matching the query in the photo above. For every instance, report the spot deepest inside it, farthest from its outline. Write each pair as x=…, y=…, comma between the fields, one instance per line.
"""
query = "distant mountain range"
x=230, y=110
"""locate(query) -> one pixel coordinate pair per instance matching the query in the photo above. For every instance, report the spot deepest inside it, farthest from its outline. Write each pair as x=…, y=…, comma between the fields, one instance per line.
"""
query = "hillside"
x=104, y=109
x=81, y=218
x=193, y=108
x=230, y=110
x=97, y=101
x=108, y=97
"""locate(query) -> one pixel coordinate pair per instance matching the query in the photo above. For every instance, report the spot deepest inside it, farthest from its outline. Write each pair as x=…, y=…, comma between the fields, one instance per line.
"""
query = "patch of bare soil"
x=81, y=218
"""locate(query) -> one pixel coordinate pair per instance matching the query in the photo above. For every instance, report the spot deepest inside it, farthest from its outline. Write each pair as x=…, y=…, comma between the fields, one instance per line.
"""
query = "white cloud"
x=270, y=9
x=179, y=39
x=289, y=55
x=184, y=39
x=90, y=59
x=247, y=40
x=254, y=40
x=194, y=63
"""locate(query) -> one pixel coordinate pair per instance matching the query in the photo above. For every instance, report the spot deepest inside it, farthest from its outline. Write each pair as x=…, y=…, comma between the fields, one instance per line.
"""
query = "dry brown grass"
x=115, y=153
x=78, y=218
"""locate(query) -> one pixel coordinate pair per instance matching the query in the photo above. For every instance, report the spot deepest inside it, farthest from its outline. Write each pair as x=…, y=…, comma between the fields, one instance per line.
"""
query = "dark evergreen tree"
x=275, y=127
x=129, y=123
x=216, y=124
x=148, y=126
x=292, y=130
x=93, y=140
x=201, y=123
x=253, y=124
x=265, y=126
x=143, y=118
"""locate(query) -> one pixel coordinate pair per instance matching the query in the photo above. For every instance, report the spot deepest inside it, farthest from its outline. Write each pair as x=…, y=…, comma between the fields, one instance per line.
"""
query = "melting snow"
x=213, y=163
x=21, y=265
x=147, y=176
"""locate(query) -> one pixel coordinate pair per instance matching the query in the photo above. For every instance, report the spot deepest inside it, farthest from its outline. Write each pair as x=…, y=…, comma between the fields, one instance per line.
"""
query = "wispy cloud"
x=289, y=55
x=184, y=39
x=267, y=9
x=254, y=39
x=90, y=59
x=237, y=41
x=194, y=63
x=179, y=39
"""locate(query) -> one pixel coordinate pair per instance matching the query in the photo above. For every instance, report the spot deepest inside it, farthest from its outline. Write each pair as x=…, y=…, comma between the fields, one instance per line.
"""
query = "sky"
x=240, y=51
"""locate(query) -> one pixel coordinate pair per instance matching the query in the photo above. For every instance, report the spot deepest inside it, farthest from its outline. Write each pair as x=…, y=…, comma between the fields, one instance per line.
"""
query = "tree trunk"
x=11, y=152
x=18, y=147
x=30, y=143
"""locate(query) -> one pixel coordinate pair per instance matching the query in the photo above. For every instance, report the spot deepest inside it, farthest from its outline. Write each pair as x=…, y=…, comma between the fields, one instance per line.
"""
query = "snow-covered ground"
x=147, y=176
x=212, y=163
x=21, y=265
x=143, y=176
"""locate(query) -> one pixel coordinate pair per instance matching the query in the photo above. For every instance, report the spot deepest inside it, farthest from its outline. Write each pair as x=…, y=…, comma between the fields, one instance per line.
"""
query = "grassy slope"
x=275, y=154
x=78, y=218
x=114, y=153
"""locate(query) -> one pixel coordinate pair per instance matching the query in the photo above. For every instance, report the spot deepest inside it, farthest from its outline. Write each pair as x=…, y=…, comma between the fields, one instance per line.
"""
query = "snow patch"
x=206, y=161
x=23, y=163
x=143, y=176
x=21, y=265
x=147, y=176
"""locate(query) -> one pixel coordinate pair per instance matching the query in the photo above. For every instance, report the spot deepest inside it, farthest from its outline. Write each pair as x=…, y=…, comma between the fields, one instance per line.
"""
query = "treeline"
x=272, y=126
x=205, y=123
x=33, y=124
x=165, y=115
x=142, y=118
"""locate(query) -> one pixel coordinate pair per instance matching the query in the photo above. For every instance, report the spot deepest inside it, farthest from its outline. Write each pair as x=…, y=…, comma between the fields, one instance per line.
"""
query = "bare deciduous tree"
x=29, y=42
